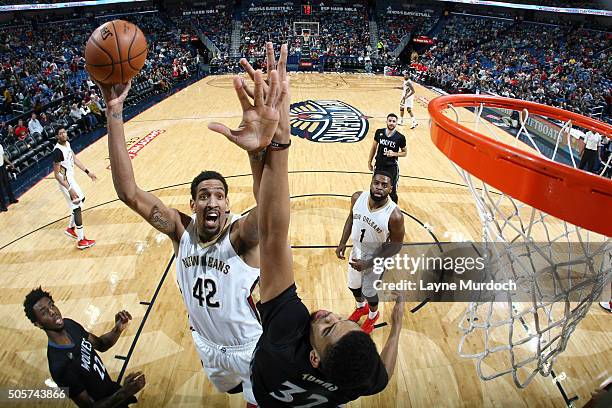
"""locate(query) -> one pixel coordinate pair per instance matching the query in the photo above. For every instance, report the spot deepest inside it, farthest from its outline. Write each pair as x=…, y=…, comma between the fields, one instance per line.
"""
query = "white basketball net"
x=560, y=267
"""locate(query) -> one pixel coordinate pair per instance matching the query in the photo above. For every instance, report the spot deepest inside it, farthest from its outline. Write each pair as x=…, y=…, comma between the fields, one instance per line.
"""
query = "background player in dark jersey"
x=72, y=356
x=389, y=144
x=302, y=359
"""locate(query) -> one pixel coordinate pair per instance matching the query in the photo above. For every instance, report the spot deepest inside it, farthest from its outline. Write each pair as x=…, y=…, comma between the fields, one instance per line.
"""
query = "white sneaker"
x=606, y=305
x=400, y=122
x=414, y=124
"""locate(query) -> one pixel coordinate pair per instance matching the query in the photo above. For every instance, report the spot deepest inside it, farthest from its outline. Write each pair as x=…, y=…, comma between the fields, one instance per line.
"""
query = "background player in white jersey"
x=64, y=161
x=217, y=255
x=407, y=101
x=376, y=225
x=302, y=359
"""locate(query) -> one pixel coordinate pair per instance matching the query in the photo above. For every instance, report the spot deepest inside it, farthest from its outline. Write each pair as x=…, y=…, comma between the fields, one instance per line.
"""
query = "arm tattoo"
x=259, y=156
x=157, y=219
x=116, y=115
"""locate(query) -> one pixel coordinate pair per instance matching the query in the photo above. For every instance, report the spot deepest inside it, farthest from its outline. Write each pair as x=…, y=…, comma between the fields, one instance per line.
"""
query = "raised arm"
x=149, y=207
x=348, y=226
x=389, y=353
x=372, y=153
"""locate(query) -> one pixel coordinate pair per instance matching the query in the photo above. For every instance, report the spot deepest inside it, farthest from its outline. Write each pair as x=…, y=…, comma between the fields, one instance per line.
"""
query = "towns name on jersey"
x=368, y=221
x=207, y=261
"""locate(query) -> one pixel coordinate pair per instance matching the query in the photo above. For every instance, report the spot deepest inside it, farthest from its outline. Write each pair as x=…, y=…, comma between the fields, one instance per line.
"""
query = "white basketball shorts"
x=227, y=366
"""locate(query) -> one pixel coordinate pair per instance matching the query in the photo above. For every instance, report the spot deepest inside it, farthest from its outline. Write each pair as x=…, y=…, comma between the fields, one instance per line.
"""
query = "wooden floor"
x=130, y=263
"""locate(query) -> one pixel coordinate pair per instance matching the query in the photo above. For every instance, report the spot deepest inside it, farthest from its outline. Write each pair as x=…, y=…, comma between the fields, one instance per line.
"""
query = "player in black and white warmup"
x=217, y=255
x=376, y=225
x=302, y=359
x=388, y=146
x=73, y=360
x=407, y=100
x=64, y=161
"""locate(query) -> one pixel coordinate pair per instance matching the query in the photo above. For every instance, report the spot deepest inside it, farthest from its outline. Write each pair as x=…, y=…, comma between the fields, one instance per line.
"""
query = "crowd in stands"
x=43, y=80
x=555, y=65
x=392, y=28
x=216, y=26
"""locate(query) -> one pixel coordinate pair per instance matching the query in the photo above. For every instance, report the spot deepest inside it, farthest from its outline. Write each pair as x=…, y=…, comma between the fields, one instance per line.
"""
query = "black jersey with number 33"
x=78, y=367
x=281, y=371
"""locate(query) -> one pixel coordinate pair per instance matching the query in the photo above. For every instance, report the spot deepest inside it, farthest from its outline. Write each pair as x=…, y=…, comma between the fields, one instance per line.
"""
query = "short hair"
x=207, y=175
x=392, y=115
x=351, y=361
x=30, y=300
x=382, y=173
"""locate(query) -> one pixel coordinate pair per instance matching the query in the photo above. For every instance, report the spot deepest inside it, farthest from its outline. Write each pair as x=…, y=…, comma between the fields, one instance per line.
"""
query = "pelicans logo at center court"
x=328, y=121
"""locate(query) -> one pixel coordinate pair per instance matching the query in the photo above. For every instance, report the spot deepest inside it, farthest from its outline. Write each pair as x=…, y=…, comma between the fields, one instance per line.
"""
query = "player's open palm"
x=114, y=94
x=260, y=118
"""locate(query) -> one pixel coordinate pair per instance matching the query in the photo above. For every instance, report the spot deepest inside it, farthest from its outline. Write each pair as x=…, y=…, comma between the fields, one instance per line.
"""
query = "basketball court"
x=131, y=267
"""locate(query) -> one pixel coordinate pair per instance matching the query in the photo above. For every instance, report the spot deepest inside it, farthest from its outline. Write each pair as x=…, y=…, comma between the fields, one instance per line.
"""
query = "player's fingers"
x=248, y=68
x=283, y=97
x=272, y=94
x=222, y=129
x=129, y=316
x=245, y=103
x=270, y=57
x=249, y=91
x=258, y=99
x=282, y=63
x=128, y=85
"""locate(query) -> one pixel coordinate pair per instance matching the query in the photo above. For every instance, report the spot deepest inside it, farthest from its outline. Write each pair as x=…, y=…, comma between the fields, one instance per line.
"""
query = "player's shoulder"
x=355, y=196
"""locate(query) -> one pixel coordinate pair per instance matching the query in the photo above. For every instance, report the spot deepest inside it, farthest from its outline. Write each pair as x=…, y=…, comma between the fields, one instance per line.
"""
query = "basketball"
x=115, y=52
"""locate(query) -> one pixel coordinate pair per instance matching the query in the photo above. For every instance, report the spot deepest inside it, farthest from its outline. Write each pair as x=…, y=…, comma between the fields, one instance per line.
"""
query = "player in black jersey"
x=302, y=359
x=389, y=144
x=72, y=356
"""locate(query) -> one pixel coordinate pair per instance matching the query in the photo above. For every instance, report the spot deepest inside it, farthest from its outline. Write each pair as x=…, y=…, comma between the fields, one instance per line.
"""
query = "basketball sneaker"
x=85, y=243
x=368, y=325
x=71, y=232
x=606, y=305
x=414, y=124
x=359, y=313
x=400, y=122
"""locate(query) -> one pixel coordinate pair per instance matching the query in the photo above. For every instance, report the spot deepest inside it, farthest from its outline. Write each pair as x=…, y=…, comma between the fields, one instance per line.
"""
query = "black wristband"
x=86, y=171
x=279, y=146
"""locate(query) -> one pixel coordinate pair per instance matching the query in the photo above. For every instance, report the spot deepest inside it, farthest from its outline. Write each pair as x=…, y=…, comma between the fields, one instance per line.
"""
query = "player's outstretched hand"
x=398, y=310
x=92, y=176
x=114, y=95
x=284, y=128
x=122, y=319
x=340, y=251
x=133, y=383
x=260, y=118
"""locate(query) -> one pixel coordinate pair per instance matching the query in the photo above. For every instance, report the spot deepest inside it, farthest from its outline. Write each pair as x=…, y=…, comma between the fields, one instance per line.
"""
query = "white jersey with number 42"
x=218, y=287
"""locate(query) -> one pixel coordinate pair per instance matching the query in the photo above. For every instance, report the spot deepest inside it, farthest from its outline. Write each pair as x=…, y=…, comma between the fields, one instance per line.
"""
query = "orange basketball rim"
x=575, y=196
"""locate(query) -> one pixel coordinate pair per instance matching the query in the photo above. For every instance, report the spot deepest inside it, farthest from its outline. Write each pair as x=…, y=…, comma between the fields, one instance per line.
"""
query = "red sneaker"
x=359, y=312
x=368, y=325
x=71, y=232
x=85, y=243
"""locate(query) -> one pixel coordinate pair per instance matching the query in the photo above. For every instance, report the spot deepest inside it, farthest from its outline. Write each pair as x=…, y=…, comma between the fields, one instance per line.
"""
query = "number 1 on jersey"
x=362, y=235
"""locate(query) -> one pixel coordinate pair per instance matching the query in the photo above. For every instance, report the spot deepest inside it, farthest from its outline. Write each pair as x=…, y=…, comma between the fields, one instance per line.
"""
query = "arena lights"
x=568, y=10
x=30, y=7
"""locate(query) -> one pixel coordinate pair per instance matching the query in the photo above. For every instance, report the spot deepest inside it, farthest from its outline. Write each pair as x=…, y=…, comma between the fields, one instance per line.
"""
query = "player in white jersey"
x=64, y=161
x=217, y=254
x=407, y=100
x=376, y=227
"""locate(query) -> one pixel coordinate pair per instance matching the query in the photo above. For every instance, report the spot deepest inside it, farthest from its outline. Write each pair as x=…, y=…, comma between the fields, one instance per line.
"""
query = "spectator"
x=21, y=131
x=34, y=126
x=5, y=185
x=77, y=116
